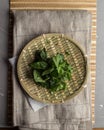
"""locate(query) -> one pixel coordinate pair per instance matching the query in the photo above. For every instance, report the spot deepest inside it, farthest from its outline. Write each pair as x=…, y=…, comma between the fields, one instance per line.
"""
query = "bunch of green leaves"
x=50, y=72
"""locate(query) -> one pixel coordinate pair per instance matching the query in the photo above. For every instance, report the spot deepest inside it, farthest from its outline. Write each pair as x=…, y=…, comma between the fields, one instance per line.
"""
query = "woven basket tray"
x=58, y=44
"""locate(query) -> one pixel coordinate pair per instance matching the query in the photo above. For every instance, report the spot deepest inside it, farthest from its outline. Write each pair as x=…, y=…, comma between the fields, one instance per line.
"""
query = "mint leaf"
x=37, y=77
x=58, y=59
x=43, y=54
x=39, y=65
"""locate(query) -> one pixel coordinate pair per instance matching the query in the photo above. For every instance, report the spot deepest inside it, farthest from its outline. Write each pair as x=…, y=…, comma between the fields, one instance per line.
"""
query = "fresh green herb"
x=37, y=77
x=43, y=54
x=51, y=72
x=39, y=65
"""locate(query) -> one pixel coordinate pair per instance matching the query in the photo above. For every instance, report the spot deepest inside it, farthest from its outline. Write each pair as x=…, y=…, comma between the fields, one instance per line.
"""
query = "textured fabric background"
x=89, y=5
x=74, y=114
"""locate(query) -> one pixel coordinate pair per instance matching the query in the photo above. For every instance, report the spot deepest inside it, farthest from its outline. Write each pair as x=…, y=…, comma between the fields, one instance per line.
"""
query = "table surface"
x=17, y=129
x=99, y=105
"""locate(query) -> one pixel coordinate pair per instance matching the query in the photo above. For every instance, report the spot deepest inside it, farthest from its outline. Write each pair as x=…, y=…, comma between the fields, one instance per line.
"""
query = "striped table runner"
x=89, y=5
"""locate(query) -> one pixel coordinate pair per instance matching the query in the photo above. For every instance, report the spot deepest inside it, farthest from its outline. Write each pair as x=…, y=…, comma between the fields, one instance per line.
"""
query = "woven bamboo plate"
x=58, y=43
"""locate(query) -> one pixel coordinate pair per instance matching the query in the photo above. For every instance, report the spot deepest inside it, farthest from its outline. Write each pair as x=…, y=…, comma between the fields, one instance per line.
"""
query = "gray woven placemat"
x=74, y=114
